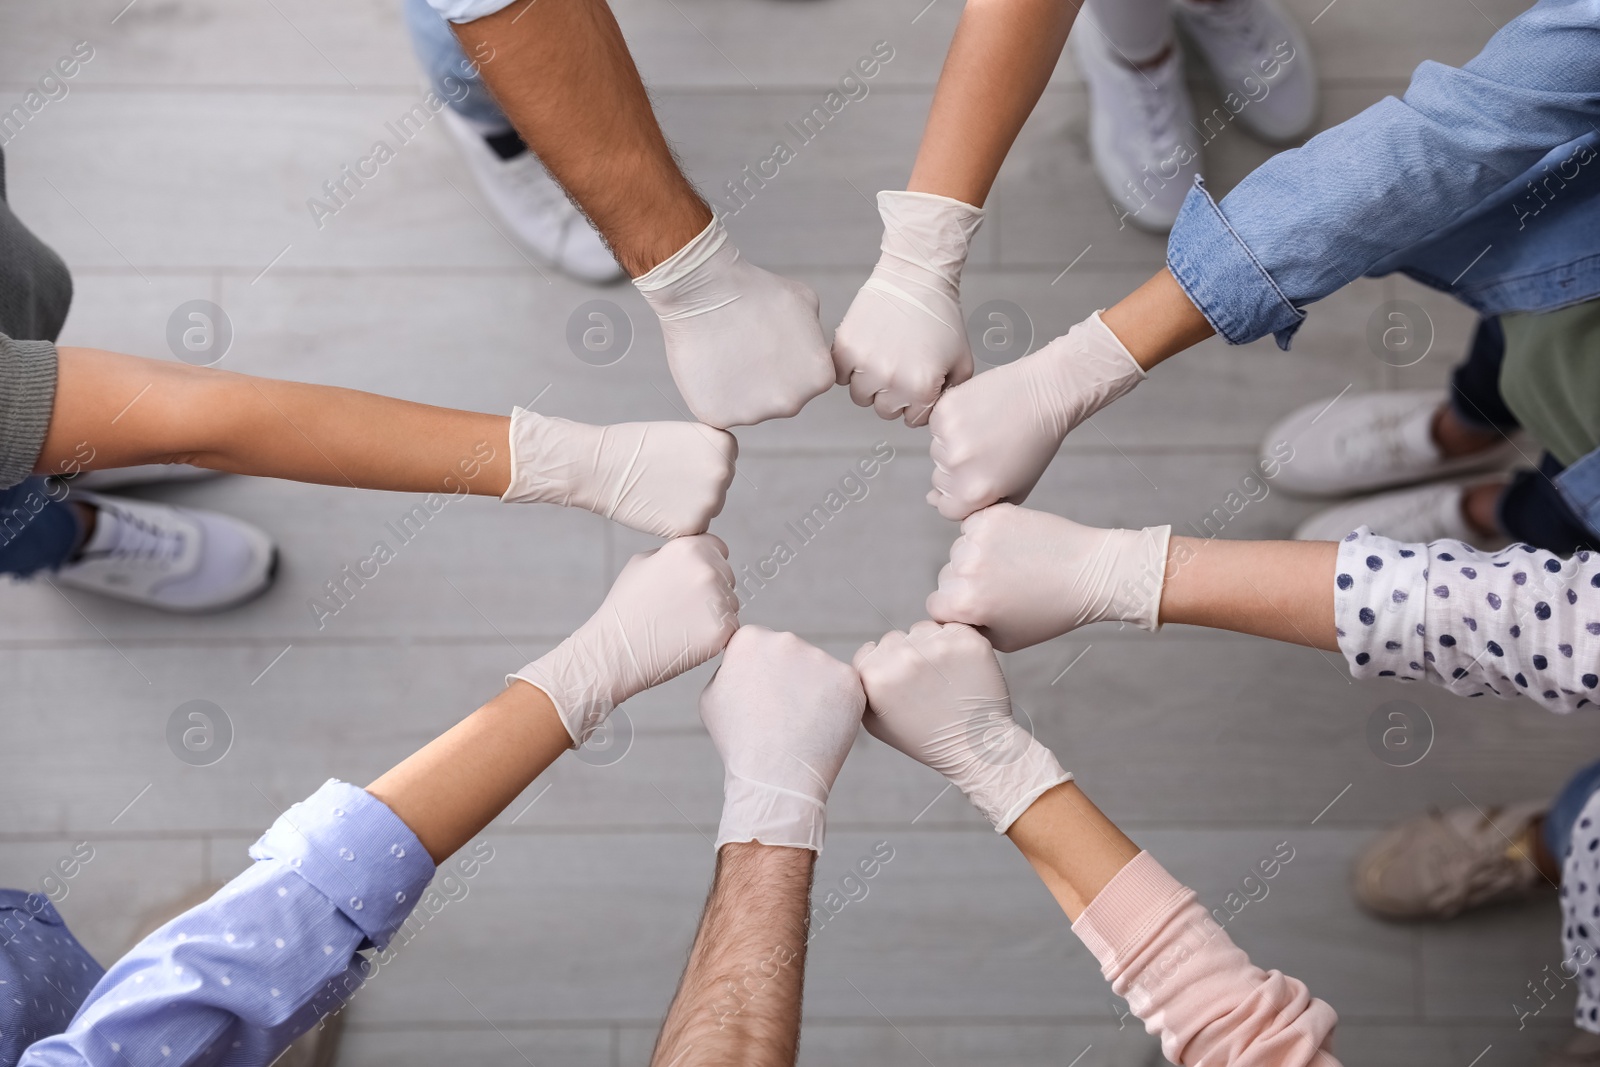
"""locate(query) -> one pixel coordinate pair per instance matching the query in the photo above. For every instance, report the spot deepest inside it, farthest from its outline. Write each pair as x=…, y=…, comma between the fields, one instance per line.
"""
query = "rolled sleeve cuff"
x=348, y=845
x=467, y=10
x=1379, y=606
x=1123, y=915
x=1223, y=278
x=27, y=397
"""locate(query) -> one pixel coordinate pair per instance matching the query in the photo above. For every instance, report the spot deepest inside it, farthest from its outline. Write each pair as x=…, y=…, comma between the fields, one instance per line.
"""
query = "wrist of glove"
x=1009, y=776
x=1081, y=372
x=668, y=479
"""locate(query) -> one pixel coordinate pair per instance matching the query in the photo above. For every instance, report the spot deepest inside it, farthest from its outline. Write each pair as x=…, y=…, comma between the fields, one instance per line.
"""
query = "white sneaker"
x=1425, y=513
x=535, y=208
x=1260, y=55
x=175, y=559
x=1369, y=441
x=142, y=474
x=1140, y=128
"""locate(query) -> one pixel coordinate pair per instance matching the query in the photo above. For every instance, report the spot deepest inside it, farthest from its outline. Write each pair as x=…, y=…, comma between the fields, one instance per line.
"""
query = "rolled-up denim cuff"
x=1579, y=486
x=1223, y=278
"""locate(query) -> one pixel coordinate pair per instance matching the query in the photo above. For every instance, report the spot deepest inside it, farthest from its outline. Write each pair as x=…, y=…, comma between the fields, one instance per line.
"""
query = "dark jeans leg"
x=37, y=531
x=1532, y=511
x=1475, y=385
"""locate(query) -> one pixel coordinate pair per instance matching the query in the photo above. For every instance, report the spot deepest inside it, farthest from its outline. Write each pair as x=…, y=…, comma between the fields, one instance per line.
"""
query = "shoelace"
x=138, y=541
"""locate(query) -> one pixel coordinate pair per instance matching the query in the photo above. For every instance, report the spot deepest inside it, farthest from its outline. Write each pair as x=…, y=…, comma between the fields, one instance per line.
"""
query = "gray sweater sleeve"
x=27, y=395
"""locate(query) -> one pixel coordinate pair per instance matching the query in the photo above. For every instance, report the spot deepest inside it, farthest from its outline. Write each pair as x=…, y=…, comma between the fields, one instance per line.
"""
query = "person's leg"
x=1476, y=415
x=1532, y=510
x=519, y=189
x=1138, y=31
x=37, y=530
x=453, y=76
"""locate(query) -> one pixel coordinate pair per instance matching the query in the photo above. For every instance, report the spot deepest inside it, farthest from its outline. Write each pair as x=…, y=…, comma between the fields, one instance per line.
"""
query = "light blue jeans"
x=449, y=69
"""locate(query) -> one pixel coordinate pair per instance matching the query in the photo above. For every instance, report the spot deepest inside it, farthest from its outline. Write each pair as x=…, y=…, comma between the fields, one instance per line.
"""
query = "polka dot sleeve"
x=1520, y=622
x=234, y=980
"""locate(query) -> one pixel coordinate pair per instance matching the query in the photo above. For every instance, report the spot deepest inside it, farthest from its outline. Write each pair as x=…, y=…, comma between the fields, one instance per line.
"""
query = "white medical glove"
x=743, y=344
x=937, y=695
x=994, y=435
x=783, y=715
x=663, y=478
x=903, y=341
x=669, y=610
x=1025, y=576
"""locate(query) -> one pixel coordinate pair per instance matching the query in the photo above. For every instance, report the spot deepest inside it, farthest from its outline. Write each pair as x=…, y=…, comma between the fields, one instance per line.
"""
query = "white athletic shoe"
x=175, y=559
x=142, y=474
x=534, y=207
x=1369, y=441
x=1140, y=128
x=1424, y=513
x=1260, y=55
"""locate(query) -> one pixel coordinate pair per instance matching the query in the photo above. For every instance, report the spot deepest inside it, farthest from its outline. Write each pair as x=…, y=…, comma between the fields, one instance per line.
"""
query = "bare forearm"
x=998, y=64
x=451, y=789
x=562, y=72
x=129, y=410
x=1281, y=590
x=1072, y=846
x=738, y=1003
x=1156, y=320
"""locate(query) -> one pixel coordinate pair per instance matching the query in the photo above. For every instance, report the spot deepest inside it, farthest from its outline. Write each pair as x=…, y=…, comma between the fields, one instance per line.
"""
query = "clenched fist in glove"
x=937, y=695
x=669, y=610
x=663, y=478
x=1025, y=576
x=783, y=715
x=743, y=344
x=903, y=341
x=994, y=435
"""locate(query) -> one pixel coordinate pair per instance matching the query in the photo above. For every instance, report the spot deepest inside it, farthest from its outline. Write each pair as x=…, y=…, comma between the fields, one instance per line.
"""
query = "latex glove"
x=669, y=610
x=744, y=345
x=1025, y=576
x=783, y=715
x=937, y=695
x=903, y=341
x=664, y=478
x=994, y=436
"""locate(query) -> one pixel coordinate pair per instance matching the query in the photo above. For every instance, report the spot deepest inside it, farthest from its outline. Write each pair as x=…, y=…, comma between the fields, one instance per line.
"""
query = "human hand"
x=783, y=715
x=669, y=610
x=743, y=344
x=903, y=341
x=937, y=695
x=1025, y=576
x=994, y=435
x=663, y=478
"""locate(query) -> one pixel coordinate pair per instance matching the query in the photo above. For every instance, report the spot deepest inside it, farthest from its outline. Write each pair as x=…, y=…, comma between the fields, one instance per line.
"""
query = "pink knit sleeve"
x=1191, y=985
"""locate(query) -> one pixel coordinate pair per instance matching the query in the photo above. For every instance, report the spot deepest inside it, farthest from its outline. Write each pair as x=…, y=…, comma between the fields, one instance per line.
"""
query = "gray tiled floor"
x=178, y=167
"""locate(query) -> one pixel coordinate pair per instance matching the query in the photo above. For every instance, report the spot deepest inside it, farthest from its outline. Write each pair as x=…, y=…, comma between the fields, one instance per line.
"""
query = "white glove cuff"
x=547, y=460
x=1091, y=369
x=581, y=697
x=755, y=811
x=1003, y=791
x=684, y=263
x=1137, y=562
x=925, y=232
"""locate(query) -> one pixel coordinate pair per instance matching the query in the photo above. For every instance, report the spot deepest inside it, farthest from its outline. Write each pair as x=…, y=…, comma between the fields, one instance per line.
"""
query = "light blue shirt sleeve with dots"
x=236, y=979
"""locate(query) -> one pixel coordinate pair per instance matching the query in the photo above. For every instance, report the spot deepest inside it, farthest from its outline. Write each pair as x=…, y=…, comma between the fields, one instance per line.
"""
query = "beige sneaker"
x=1583, y=1050
x=1438, y=865
x=317, y=1047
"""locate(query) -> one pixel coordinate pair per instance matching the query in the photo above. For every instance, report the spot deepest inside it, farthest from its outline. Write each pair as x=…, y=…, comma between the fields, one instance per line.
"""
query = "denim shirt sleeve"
x=1312, y=219
x=234, y=980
